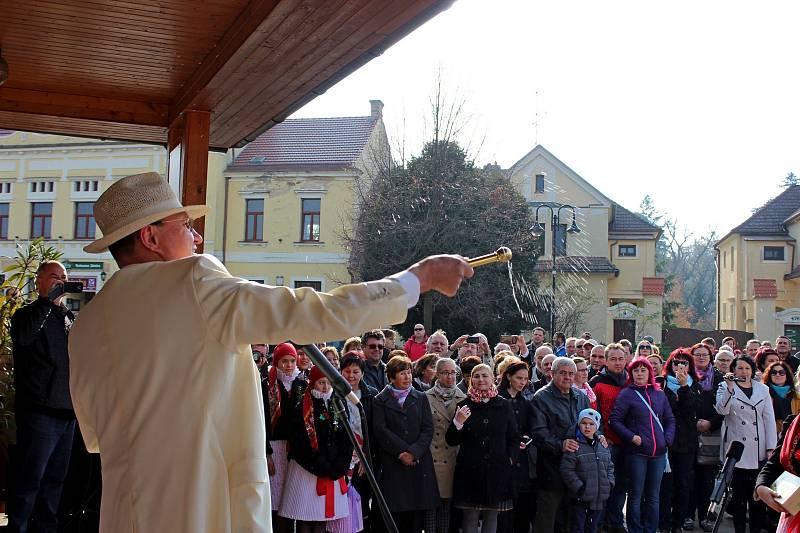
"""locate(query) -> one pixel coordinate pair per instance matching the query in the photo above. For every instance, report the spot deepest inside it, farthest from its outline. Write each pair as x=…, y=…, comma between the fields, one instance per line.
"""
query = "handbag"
x=708, y=448
x=667, y=467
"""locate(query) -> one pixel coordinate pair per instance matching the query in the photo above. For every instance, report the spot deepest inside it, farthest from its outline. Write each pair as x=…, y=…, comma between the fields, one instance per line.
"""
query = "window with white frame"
x=773, y=253
x=627, y=250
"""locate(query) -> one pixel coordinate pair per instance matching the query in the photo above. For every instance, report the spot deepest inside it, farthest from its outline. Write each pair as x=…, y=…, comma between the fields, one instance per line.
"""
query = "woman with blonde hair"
x=485, y=428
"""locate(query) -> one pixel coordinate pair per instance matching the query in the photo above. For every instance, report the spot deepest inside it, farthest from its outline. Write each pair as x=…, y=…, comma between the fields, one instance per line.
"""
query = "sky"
x=694, y=103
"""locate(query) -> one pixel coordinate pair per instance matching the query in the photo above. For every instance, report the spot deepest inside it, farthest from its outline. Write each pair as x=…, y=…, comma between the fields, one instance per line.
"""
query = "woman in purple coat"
x=644, y=422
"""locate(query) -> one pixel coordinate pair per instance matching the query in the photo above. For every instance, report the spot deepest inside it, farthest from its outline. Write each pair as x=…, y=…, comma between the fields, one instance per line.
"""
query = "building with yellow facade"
x=279, y=207
x=758, y=271
x=607, y=269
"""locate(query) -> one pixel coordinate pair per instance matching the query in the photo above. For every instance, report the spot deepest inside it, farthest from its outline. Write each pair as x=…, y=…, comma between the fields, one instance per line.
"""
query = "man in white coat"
x=180, y=425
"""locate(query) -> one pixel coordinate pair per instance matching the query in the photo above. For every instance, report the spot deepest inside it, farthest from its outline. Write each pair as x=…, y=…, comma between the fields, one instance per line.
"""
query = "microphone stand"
x=723, y=505
x=342, y=388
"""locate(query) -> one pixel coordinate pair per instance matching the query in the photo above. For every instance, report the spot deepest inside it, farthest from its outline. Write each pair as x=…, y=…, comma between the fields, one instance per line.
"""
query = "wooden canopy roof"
x=129, y=69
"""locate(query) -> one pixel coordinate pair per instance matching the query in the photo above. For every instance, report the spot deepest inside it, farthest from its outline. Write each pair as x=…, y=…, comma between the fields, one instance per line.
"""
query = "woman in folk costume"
x=785, y=458
x=284, y=390
x=319, y=459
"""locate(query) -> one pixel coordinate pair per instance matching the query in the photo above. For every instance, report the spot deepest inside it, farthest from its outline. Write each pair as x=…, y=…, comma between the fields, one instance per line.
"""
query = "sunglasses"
x=375, y=346
x=419, y=329
x=778, y=372
x=645, y=348
x=680, y=363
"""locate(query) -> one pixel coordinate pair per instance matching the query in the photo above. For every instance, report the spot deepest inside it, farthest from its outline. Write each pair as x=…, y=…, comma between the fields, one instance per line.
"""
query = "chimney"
x=376, y=109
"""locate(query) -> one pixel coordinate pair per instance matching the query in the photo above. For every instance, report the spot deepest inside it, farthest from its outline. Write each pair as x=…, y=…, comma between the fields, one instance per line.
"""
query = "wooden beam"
x=83, y=107
x=230, y=50
x=189, y=137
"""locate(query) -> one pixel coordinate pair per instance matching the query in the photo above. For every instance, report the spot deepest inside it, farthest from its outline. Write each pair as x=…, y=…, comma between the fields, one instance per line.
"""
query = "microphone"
x=724, y=477
x=339, y=384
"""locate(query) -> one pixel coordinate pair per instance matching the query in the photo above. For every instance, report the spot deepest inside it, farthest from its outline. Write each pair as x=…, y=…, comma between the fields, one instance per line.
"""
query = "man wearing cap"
x=180, y=427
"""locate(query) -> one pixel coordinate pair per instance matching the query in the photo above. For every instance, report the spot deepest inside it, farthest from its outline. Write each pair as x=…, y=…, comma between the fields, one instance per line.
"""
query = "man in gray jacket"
x=555, y=414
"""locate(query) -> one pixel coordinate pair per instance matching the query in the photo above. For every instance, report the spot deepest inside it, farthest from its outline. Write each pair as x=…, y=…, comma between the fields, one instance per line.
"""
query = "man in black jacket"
x=44, y=415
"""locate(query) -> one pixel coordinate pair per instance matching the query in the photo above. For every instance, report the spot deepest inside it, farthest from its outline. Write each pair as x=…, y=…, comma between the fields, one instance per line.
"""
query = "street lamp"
x=537, y=230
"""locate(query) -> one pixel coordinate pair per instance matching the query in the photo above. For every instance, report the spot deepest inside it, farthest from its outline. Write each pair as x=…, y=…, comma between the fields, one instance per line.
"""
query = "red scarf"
x=478, y=396
x=790, y=455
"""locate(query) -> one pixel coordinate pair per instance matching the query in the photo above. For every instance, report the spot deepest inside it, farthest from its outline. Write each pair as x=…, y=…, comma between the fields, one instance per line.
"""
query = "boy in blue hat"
x=588, y=473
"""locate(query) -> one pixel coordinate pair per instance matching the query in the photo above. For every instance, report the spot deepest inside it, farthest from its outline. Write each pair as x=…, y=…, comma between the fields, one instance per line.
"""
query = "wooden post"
x=187, y=145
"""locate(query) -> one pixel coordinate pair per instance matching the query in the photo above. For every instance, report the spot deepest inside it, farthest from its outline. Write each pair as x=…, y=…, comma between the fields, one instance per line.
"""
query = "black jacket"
x=397, y=429
x=375, y=376
x=289, y=402
x=709, y=399
x=524, y=468
x=332, y=457
x=685, y=405
x=489, y=444
x=39, y=333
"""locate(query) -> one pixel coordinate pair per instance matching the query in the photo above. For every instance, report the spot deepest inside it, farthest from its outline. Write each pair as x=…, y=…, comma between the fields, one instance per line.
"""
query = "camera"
x=473, y=339
x=256, y=356
x=73, y=287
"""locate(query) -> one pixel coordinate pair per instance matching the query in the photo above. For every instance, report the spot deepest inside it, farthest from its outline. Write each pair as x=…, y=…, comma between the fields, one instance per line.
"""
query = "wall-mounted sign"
x=89, y=284
x=83, y=265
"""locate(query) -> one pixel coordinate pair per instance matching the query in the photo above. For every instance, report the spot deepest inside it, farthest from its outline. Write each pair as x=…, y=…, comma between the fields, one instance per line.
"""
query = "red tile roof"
x=653, y=286
x=308, y=144
x=765, y=288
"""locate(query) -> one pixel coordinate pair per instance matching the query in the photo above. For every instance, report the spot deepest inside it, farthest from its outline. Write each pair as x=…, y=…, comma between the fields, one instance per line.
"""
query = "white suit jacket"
x=751, y=421
x=165, y=388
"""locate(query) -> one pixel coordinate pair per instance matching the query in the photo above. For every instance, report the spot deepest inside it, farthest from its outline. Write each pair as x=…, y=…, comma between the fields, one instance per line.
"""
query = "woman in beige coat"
x=443, y=398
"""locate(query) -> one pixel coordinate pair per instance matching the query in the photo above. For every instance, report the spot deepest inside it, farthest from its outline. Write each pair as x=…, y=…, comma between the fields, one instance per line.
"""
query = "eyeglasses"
x=778, y=372
x=375, y=346
x=680, y=363
x=188, y=223
x=448, y=373
x=419, y=329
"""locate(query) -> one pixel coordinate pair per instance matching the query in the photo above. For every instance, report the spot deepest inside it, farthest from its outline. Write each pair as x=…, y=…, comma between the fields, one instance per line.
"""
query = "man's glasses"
x=188, y=223
x=448, y=373
x=375, y=346
x=419, y=329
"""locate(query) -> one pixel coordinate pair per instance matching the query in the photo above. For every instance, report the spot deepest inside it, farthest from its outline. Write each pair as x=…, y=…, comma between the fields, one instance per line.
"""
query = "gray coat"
x=555, y=416
x=398, y=429
x=589, y=474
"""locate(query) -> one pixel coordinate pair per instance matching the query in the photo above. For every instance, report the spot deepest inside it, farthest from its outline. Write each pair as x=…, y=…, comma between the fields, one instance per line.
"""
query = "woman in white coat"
x=749, y=419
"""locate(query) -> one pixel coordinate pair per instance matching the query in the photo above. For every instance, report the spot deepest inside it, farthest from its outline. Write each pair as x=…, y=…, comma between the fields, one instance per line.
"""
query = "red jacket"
x=415, y=350
x=606, y=387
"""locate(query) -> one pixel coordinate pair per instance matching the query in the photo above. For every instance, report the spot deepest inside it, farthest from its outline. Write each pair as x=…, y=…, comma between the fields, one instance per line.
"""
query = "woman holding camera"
x=749, y=419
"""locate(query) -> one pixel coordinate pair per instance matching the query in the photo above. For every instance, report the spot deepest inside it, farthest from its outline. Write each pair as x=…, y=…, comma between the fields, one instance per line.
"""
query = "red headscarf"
x=308, y=406
x=273, y=387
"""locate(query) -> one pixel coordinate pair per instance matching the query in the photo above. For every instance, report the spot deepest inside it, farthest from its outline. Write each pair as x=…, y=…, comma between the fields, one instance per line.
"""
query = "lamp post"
x=537, y=230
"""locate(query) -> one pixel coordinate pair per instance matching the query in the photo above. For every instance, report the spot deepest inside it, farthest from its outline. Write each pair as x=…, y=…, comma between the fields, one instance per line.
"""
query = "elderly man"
x=181, y=426
x=443, y=398
x=555, y=415
x=547, y=371
x=44, y=415
x=438, y=344
x=538, y=372
x=569, y=346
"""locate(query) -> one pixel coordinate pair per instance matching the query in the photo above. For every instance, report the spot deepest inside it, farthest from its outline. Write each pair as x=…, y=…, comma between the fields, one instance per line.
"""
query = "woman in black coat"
x=680, y=383
x=402, y=427
x=486, y=431
x=709, y=422
x=513, y=381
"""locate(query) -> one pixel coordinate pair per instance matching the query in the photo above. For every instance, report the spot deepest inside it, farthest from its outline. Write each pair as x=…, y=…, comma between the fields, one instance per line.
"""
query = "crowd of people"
x=568, y=435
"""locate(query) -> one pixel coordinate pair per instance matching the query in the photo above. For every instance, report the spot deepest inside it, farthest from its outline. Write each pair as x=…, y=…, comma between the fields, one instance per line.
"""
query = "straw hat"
x=131, y=204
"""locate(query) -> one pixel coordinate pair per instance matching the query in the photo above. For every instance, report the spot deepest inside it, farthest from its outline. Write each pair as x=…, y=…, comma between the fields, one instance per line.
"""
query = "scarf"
x=326, y=396
x=446, y=394
x=587, y=390
x=274, y=394
x=400, y=394
x=780, y=390
x=479, y=396
x=673, y=385
x=790, y=459
x=706, y=377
